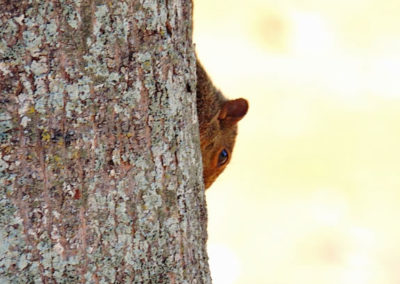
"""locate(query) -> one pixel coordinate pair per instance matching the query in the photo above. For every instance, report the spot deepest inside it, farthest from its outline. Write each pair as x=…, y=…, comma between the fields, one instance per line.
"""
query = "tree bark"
x=100, y=166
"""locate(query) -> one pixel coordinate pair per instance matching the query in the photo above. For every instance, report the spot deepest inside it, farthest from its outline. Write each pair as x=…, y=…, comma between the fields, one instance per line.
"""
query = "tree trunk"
x=100, y=166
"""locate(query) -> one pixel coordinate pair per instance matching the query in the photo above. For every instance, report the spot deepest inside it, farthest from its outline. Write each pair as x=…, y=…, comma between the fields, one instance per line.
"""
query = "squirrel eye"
x=223, y=157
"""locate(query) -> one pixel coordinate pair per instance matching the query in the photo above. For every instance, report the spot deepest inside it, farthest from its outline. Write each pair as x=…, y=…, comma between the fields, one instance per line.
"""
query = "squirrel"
x=218, y=118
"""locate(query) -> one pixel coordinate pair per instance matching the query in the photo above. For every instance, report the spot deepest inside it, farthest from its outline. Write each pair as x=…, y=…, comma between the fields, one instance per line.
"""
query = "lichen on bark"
x=100, y=167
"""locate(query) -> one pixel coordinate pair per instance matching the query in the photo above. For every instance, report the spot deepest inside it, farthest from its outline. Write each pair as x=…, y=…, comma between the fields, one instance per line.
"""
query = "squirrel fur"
x=218, y=118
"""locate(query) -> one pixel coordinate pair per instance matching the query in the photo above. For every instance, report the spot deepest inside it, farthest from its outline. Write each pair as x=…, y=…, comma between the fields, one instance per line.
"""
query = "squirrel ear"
x=233, y=111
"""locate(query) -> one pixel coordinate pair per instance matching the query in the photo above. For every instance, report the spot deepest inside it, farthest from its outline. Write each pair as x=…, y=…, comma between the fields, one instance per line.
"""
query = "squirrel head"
x=218, y=138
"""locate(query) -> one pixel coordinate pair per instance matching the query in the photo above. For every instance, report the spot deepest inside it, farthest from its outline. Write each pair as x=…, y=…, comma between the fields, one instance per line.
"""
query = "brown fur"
x=218, y=119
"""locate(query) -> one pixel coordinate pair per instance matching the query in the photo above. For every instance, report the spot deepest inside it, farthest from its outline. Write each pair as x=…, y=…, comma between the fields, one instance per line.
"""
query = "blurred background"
x=312, y=194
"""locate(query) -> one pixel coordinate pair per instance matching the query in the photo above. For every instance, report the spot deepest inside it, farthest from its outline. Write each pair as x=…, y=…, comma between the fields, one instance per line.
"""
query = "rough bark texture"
x=100, y=166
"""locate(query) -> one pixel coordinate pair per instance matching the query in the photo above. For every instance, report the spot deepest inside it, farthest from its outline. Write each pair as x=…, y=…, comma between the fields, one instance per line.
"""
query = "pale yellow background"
x=312, y=194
